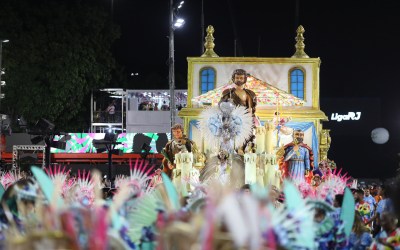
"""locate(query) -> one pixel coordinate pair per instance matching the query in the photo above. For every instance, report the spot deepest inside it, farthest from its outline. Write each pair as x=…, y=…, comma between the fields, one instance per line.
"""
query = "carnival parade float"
x=242, y=177
x=287, y=99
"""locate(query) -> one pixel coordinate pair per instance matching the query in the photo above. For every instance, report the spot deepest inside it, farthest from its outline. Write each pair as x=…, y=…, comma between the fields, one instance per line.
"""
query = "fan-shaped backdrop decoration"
x=232, y=127
x=267, y=95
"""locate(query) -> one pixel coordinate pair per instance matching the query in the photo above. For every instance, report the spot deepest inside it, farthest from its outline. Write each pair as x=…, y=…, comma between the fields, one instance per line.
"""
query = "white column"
x=250, y=175
x=260, y=139
x=269, y=137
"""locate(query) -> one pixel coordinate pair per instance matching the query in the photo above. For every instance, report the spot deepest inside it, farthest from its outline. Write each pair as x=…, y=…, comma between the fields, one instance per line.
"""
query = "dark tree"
x=58, y=52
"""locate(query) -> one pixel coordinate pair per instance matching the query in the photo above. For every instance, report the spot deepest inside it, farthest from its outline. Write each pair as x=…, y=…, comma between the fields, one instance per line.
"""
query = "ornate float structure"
x=287, y=88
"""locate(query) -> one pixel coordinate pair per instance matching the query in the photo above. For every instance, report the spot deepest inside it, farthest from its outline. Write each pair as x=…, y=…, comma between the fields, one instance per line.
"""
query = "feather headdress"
x=293, y=224
x=60, y=175
x=140, y=178
x=8, y=178
x=141, y=174
x=335, y=183
x=83, y=190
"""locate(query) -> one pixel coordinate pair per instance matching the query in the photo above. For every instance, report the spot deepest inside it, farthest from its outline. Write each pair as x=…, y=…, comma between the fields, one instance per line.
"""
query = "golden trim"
x=300, y=53
x=244, y=60
x=209, y=43
x=200, y=76
x=186, y=125
x=304, y=80
x=190, y=84
x=315, y=85
x=325, y=143
x=266, y=114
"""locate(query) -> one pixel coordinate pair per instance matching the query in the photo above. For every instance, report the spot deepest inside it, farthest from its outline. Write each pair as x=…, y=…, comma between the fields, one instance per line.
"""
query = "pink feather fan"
x=61, y=174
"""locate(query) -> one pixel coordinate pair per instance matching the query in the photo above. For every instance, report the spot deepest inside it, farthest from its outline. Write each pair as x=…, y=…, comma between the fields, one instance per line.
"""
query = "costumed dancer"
x=316, y=179
x=297, y=159
x=224, y=168
x=217, y=168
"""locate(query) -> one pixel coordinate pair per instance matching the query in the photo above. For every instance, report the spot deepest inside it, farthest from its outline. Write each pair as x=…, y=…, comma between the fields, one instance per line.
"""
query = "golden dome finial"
x=300, y=44
x=209, y=44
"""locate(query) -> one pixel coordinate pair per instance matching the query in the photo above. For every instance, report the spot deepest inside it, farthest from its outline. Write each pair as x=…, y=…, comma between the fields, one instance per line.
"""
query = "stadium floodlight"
x=179, y=22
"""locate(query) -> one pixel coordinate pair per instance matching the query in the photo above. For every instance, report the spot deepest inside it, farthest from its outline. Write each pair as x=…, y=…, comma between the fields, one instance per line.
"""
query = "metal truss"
x=17, y=148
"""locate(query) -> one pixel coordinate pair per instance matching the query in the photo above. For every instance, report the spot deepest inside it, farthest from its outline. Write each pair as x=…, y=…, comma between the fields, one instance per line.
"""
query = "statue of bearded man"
x=297, y=159
x=240, y=95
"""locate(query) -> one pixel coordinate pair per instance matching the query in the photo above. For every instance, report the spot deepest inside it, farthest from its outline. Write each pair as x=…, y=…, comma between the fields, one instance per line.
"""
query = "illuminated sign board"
x=354, y=116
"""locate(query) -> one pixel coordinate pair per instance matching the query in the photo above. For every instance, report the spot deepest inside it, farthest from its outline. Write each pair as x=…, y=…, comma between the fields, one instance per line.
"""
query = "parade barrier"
x=91, y=158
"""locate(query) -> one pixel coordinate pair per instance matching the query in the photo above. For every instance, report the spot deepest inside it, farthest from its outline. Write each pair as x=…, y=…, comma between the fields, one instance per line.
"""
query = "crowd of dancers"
x=50, y=210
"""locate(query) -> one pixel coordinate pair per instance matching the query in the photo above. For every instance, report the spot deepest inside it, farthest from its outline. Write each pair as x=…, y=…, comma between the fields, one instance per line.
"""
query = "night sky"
x=357, y=41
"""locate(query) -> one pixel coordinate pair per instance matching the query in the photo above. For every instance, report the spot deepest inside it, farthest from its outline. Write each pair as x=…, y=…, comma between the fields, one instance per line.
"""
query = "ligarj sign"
x=354, y=116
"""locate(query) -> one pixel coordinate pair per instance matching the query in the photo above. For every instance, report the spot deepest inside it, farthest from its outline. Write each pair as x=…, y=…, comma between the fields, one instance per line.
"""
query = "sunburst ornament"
x=226, y=125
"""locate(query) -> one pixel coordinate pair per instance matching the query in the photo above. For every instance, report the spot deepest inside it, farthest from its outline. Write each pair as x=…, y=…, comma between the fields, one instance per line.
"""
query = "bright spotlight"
x=179, y=23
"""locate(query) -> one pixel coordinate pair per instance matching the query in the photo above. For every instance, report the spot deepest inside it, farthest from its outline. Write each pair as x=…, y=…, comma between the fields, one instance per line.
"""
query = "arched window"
x=207, y=79
x=297, y=85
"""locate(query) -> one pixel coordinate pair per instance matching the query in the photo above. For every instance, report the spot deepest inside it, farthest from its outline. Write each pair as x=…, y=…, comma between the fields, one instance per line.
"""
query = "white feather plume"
x=237, y=126
x=245, y=129
x=211, y=131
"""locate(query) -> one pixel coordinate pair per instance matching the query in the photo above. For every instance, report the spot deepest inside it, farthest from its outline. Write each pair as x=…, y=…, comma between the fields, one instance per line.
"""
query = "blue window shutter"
x=207, y=81
x=297, y=83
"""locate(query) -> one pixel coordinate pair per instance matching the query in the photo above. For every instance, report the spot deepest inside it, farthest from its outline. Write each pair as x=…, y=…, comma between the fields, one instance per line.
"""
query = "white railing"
x=149, y=121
